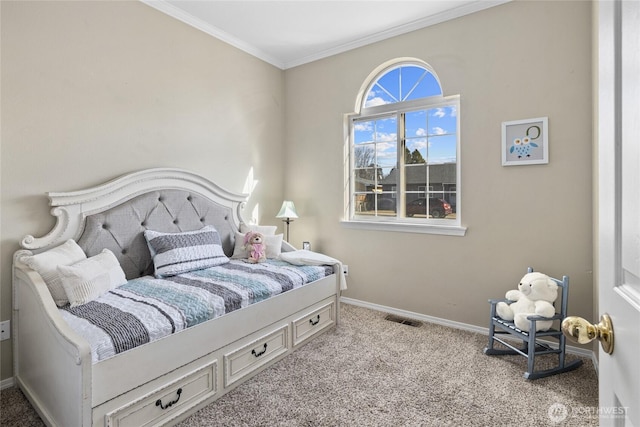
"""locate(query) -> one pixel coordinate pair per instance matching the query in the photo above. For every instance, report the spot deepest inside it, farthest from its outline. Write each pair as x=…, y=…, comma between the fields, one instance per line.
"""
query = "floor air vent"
x=403, y=320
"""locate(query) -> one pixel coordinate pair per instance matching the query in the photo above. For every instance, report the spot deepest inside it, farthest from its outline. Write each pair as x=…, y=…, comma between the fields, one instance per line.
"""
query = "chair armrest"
x=536, y=317
x=495, y=301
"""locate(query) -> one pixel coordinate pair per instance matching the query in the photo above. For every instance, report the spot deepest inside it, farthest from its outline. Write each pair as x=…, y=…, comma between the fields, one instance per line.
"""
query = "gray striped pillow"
x=177, y=253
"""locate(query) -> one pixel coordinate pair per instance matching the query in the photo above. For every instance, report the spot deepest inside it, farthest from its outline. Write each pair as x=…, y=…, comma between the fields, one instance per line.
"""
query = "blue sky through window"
x=403, y=84
x=433, y=133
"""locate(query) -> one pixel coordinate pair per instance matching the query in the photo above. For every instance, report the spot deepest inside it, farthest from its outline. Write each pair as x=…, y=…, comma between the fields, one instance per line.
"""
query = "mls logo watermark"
x=559, y=412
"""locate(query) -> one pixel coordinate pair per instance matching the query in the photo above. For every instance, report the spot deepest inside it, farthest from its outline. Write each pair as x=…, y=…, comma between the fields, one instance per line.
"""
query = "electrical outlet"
x=5, y=330
x=345, y=269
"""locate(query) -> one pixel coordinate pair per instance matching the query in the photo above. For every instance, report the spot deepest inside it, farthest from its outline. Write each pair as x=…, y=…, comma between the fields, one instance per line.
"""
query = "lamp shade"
x=288, y=210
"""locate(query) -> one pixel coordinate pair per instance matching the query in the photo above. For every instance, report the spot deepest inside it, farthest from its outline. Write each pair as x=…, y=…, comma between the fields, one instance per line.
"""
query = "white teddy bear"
x=535, y=296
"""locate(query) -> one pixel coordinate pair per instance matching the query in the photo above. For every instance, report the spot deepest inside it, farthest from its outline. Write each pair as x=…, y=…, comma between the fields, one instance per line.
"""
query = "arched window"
x=404, y=143
x=401, y=83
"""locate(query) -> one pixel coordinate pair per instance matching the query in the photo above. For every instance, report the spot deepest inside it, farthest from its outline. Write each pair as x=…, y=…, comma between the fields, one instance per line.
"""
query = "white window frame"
x=398, y=223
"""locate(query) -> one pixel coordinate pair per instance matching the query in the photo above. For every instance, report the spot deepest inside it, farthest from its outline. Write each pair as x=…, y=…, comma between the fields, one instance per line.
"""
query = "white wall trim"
x=187, y=18
x=399, y=30
x=446, y=230
x=583, y=352
x=7, y=383
x=177, y=13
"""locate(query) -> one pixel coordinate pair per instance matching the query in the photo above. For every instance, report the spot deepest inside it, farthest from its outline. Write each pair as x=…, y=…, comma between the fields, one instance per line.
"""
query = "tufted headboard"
x=120, y=229
x=115, y=215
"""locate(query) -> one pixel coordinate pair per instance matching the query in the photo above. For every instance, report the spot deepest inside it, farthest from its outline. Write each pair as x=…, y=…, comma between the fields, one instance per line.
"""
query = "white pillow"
x=273, y=246
x=46, y=264
x=265, y=230
x=86, y=280
x=177, y=253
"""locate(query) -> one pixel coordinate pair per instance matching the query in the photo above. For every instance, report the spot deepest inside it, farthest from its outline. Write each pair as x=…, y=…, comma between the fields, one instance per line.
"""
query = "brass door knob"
x=579, y=330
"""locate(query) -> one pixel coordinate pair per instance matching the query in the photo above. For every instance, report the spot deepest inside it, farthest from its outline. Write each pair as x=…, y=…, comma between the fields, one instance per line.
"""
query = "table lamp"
x=288, y=212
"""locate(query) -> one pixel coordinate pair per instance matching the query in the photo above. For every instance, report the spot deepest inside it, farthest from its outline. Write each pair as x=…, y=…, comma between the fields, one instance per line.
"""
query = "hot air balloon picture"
x=525, y=142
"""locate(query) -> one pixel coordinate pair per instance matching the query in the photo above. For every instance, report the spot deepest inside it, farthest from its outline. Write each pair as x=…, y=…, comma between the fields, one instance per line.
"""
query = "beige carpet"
x=370, y=371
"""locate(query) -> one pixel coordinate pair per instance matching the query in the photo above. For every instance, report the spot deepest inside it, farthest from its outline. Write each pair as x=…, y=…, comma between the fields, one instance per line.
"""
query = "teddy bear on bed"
x=255, y=247
x=535, y=296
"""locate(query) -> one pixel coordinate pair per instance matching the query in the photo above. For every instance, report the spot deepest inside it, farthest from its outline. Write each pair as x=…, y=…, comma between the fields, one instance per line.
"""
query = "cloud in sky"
x=375, y=98
x=386, y=137
x=439, y=112
x=373, y=102
x=438, y=130
x=363, y=126
x=386, y=154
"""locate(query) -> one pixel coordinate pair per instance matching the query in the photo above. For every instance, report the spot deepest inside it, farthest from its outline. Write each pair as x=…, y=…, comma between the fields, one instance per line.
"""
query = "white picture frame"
x=525, y=142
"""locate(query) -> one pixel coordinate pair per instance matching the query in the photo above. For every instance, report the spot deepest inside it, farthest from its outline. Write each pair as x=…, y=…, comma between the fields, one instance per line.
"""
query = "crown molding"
x=179, y=14
x=399, y=30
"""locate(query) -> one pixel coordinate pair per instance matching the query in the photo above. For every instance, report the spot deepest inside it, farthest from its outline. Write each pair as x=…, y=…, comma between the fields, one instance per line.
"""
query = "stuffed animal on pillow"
x=255, y=247
x=535, y=296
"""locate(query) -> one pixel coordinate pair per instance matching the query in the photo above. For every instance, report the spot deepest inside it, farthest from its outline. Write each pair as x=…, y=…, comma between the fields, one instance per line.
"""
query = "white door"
x=618, y=216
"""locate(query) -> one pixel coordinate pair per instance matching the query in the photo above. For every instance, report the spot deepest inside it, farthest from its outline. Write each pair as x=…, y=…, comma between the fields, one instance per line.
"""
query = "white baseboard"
x=583, y=352
x=6, y=383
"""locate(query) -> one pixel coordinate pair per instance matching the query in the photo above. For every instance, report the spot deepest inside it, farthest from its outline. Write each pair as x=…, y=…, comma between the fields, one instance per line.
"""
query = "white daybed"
x=164, y=381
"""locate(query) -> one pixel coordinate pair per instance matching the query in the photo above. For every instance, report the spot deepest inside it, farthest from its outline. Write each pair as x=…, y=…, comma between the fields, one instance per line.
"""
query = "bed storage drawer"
x=254, y=355
x=314, y=322
x=167, y=402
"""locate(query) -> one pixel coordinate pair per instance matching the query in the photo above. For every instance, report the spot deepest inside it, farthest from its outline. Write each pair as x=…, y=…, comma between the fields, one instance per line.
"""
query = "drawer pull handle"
x=256, y=354
x=316, y=321
x=159, y=402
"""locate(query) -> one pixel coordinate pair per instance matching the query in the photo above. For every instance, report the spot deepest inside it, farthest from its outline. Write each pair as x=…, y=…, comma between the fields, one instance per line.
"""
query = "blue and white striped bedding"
x=146, y=309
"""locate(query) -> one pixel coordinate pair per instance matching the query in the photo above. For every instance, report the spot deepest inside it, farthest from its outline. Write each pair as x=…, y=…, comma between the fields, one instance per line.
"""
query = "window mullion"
x=400, y=193
x=415, y=85
x=427, y=179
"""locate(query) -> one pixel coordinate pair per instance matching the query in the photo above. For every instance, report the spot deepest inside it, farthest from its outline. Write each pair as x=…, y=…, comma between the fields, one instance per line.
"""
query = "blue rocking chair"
x=535, y=343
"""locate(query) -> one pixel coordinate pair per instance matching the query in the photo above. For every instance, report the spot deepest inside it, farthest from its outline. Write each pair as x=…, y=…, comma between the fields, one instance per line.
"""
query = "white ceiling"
x=294, y=32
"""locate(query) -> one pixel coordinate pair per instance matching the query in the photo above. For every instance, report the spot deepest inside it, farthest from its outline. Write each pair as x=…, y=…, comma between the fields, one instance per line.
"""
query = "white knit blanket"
x=304, y=257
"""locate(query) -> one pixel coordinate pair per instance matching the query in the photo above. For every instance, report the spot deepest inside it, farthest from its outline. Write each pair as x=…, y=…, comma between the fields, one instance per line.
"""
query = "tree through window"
x=404, y=145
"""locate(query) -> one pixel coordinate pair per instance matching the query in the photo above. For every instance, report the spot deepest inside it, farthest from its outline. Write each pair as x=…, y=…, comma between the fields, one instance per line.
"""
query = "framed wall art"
x=525, y=142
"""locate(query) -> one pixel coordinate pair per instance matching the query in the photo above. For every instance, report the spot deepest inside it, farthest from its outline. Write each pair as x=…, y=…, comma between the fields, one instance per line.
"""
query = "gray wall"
x=92, y=90
x=519, y=60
